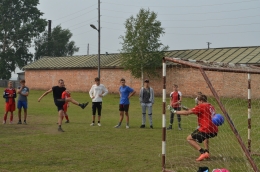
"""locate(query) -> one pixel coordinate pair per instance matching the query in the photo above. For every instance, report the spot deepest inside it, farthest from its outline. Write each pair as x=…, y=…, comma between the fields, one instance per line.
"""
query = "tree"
x=59, y=44
x=20, y=22
x=142, y=50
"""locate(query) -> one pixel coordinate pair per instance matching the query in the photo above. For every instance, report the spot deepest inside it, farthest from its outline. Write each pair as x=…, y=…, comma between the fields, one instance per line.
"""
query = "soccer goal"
x=234, y=91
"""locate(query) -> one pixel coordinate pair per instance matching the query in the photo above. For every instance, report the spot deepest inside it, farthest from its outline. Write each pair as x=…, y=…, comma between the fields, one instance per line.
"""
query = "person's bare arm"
x=188, y=112
x=131, y=94
x=44, y=94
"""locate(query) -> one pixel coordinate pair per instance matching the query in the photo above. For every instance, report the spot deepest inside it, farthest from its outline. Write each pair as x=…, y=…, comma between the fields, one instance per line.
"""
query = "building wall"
x=189, y=80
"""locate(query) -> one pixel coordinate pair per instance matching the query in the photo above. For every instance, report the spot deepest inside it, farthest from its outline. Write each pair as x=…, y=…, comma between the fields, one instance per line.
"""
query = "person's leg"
x=179, y=118
x=99, y=108
x=150, y=112
x=127, y=115
x=193, y=143
x=7, y=107
x=93, y=113
x=19, y=107
x=5, y=117
x=25, y=107
x=143, y=115
x=60, y=114
x=11, y=117
x=25, y=115
x=19, y=115
x=206, y=145
x=171, y=121
x=67, y=117
x=69, y=99
x=121, y=113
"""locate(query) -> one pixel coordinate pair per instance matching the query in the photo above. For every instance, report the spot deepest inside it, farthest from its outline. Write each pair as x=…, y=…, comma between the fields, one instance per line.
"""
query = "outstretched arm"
x=44, y=94
x=182, y=112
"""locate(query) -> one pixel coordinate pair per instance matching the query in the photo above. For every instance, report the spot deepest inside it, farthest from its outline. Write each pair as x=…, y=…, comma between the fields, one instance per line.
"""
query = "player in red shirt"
x=175, y=102
x=9, y=95
x=65, y=95
x=206, y=129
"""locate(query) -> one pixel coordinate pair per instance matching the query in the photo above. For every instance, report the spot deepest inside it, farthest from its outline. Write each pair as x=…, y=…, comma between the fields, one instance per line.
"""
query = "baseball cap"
x=147, y=81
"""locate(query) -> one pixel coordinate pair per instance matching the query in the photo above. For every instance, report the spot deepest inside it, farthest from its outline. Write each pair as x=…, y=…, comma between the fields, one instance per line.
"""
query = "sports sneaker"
x=92, y=124
x=83, y=105
x=20, y=122
x=203, y=156
x=4, y=122
x=151, y=126
x=67, y=121
x=60, y=129
x=25, y=123
x=127, y=127
x=117, y=126
x=99, y=124
x=142, y=126
x=11, y=122
x=170, y=127
x=180, y=128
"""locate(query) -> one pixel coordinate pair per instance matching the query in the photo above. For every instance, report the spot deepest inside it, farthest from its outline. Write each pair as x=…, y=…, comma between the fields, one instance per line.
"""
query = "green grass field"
x=38, y=146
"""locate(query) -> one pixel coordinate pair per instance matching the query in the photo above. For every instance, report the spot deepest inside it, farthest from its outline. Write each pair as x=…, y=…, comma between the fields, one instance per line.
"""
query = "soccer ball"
x=218, y=119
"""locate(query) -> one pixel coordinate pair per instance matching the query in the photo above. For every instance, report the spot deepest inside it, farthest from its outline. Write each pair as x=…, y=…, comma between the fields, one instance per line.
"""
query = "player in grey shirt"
x=23, y=92
x=146, y=98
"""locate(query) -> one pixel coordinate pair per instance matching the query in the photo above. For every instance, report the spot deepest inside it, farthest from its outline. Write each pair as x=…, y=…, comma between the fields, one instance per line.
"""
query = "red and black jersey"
x=9, y=95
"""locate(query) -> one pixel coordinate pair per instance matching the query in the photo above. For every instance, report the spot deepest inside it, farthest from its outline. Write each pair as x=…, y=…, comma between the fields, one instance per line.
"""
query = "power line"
x=78, y=16
x=75, y=12
x=228, y=3
x=243, y=9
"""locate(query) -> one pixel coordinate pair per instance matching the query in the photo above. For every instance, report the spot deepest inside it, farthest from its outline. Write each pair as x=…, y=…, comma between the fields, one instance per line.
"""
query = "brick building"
x=79, y=72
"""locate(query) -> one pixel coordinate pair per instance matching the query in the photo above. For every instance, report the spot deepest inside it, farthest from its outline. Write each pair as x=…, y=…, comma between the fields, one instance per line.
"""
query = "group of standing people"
x=9, y=95
x=204, y=110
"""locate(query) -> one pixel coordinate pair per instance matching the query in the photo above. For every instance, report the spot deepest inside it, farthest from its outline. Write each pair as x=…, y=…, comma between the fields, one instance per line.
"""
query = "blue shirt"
x=125, y=91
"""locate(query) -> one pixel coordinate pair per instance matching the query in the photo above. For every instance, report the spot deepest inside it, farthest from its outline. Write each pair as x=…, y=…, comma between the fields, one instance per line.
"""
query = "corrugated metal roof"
x=242, y=55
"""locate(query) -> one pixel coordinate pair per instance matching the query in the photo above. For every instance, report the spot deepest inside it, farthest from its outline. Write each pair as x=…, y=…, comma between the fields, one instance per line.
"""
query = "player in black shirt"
x=59, y=102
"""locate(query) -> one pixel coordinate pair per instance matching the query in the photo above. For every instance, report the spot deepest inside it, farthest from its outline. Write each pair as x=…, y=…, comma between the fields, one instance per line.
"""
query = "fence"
x=4, y=83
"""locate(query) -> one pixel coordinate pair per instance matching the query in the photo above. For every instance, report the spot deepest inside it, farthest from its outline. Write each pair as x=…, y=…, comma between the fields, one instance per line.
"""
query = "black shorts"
x=200, y=136
x=59, y=104
x=96, y=106
x=123, y=107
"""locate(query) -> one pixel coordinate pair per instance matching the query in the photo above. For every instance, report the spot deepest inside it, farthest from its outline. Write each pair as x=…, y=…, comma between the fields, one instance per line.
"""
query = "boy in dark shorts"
x=125, y=93
x=206, y=130
x=59, y=102
x=23, y=92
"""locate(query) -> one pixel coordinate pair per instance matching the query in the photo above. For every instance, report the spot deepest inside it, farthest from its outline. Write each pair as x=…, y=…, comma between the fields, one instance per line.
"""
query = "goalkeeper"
x=206, y=129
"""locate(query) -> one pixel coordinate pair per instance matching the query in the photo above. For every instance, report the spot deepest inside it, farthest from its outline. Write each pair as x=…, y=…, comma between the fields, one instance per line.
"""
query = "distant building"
x=21, y=75
x=79, y=71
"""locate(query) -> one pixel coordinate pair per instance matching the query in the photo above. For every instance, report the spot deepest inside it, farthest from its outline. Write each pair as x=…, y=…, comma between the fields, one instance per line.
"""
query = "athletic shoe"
x=151, y=126
x=180, y=128
x=117, y=126
x=203, y=156
x=60, y=129
x=127, y=127
x=170, y=127
x=25, y=123
x=99, y=124
x=67, y=121
x=20, y=122
x=4, y=122
x=83, y=105
x=92, y=124
x=142, y=126
x=11, y=122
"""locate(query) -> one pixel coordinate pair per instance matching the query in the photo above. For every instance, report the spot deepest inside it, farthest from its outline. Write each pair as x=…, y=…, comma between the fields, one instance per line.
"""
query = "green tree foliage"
x=20, y=22
x=59, y=44
x=142, y=50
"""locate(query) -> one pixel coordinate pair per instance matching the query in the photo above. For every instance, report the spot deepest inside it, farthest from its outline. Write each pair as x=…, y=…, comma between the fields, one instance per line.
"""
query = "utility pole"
x=99, y=39
x=88, y=50
x=49, y=37
x=208, y=44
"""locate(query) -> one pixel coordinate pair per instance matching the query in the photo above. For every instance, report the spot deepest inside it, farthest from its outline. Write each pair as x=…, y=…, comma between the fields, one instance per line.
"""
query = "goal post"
x=202, y=67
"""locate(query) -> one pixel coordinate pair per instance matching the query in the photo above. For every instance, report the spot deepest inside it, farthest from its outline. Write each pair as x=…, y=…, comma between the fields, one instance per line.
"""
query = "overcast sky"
x=188, y=24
